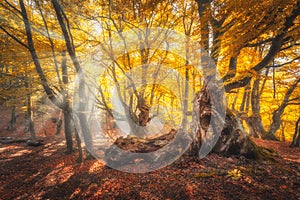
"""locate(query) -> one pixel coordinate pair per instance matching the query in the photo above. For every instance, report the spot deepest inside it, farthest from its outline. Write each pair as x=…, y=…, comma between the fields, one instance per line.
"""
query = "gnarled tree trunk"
x=232, y=139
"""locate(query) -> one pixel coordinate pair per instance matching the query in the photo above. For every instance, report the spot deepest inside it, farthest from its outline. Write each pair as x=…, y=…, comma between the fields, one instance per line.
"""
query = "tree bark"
x=282, y=132
x=58, y=126
x=13, y=119
x=276, y=115
x=67, y=110
x=78, y=141
x=296, y=137
x=255, y=121
x=68, y=128
x=29, y=118
x=233, y=139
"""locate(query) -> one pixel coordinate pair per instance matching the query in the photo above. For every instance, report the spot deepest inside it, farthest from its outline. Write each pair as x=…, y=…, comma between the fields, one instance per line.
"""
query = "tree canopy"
x=254, y=46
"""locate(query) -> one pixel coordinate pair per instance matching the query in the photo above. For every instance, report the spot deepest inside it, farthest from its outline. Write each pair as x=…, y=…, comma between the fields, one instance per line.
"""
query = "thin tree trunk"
x=235, y=100
x=78, y=141
x=255, y=120
x=296, y=137
x=81, y=114
x=245, y=100
x=59, y=125
x=29, y=117
x=276, y=115
x=274, y=82
x=68, y=128
x=35, y=58
x=13, y=119
x=67, y=108
x=282, y=132
x=185, y=100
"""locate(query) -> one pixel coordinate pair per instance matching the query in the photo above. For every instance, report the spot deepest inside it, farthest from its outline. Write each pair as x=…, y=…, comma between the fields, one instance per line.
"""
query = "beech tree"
x=62, y=99
x=221, y=25
x=258, y=68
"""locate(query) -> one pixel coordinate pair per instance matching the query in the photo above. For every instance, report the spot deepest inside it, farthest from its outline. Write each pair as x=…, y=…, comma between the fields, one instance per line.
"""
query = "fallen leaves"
x=213, y=177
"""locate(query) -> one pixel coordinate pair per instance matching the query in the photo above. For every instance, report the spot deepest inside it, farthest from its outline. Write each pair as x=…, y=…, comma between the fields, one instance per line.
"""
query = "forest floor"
x=46, y=172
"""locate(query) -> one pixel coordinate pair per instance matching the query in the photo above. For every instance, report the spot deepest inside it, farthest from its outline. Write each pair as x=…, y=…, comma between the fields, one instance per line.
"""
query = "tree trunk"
x=82, y=117
x=78, y=141
x=232, y=140
x=275, y=125
x=29, y=118
x=67, y=108
x=13, y=119
x=276, y=116
x=50, y=93
x=68, y=128
x=255, y=121
x=29, y=125
x=58, y=126
x=144, y=115
x=282, y=132
x=296, y=137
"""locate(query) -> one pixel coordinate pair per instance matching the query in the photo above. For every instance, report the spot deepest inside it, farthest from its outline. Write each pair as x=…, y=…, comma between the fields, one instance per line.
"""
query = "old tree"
x=271, y=37
x=248, y=52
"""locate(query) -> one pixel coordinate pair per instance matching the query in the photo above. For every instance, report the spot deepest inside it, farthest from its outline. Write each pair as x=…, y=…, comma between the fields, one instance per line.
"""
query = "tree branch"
x=13, y=7
x=277, y=42
x=14, y=37
x=286, y=63
x=259, y=43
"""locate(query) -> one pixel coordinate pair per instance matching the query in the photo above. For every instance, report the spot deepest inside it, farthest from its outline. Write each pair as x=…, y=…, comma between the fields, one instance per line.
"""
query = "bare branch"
x=283, y=64
x=13, y=7
x=260, y=42
x=14, y=37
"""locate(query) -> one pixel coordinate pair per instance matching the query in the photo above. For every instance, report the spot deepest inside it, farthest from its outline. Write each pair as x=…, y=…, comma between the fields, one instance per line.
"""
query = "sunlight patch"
x=21, y=153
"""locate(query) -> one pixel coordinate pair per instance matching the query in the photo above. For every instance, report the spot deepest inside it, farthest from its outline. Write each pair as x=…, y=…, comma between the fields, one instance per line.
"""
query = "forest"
x=150, y=99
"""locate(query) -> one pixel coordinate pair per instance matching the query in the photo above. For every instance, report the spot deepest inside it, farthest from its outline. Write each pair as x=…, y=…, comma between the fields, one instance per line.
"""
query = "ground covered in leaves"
x=46, y=172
